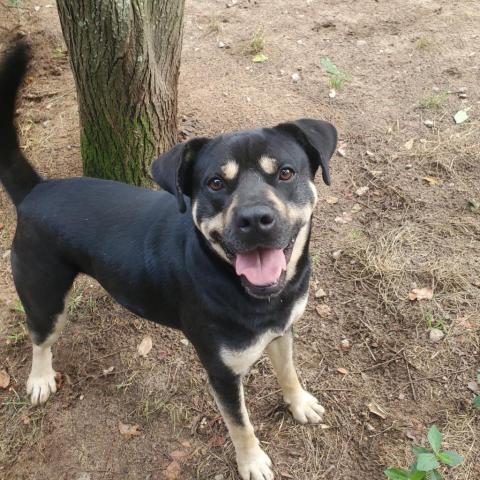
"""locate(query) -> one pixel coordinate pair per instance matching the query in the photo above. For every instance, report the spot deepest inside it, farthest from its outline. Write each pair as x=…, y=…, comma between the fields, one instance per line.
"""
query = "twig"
x=373, y=367
x=410, y=377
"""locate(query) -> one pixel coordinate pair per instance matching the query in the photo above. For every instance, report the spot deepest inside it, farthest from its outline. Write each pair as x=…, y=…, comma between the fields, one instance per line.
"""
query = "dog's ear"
x=172, y=170
x=318, y=139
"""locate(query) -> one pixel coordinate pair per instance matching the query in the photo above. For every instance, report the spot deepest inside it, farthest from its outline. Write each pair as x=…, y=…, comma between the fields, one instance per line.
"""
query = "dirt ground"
x=418, y=225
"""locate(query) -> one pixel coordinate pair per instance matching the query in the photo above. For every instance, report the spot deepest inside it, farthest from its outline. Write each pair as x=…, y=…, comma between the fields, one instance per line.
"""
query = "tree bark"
x=125, y=57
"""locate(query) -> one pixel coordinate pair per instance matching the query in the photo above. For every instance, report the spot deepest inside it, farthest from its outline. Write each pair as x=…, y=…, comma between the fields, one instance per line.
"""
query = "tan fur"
x=268, y=165
x=230, y=170
x=277, y=203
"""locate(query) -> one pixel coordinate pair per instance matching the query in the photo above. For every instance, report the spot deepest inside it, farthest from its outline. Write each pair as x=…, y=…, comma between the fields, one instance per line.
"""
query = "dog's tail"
x=16, y=174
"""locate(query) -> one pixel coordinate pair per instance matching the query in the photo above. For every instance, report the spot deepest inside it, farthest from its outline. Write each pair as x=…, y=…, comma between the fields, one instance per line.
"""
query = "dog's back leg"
x=42, y=284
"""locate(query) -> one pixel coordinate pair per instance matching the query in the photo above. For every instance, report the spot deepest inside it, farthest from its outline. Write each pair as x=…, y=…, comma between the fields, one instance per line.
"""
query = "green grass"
x=434, y=101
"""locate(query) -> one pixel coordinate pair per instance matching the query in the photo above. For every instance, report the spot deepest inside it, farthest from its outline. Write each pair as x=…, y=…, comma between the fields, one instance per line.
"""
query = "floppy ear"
x=172, y=170
x=318, y=139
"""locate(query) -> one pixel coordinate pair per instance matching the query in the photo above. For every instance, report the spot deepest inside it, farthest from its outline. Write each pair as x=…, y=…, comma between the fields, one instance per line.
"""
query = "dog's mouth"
x=263, y=269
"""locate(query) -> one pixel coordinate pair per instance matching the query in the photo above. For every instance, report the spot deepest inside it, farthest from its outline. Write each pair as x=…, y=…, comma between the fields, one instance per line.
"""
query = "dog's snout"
x=255, y=219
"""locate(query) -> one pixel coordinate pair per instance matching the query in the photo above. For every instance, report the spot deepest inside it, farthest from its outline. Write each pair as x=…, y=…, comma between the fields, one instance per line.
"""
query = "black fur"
x=150, y=258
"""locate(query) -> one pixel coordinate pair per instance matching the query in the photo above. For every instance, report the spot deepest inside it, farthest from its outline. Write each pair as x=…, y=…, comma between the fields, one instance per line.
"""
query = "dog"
x=220, y=254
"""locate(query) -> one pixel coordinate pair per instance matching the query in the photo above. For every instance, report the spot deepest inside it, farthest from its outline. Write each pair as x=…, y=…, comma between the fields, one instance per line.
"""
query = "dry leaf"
x=463, y=322
x=217, y=441
x=331, y=200
x=408, y=145
x=173, y=471
x=342, y=370
x=432, y=181
x=473, y=386
x=323, y=310
x=377, y=410
x=145, y=346
x=425, y=293
x=362, y=191
x=344, y=218
x=129, y=431
x=178, y=454
x=108, y=371
x=4, y=379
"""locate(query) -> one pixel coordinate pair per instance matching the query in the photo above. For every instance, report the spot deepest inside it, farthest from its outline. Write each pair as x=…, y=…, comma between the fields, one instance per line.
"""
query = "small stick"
x=410, y=378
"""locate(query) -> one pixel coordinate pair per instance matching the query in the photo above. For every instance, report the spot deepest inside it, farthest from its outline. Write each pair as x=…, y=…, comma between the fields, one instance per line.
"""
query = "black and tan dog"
x=230, y=270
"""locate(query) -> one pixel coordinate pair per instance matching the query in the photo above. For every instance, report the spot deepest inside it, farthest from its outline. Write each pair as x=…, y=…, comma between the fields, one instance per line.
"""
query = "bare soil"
x=405, y=61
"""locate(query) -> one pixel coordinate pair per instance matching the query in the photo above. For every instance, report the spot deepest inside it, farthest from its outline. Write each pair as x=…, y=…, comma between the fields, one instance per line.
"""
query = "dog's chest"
x=240, y=360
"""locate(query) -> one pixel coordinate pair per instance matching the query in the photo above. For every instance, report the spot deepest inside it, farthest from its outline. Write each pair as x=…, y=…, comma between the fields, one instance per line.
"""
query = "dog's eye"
x=286, y=174
x=215, y=184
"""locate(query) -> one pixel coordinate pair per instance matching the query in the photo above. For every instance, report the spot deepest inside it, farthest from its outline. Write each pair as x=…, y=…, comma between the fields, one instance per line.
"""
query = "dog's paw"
x=305, y=407
x=40, y=387
x=254, y=465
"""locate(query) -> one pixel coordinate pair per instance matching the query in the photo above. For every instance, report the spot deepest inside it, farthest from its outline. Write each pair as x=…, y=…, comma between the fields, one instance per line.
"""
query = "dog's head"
x=252, y=195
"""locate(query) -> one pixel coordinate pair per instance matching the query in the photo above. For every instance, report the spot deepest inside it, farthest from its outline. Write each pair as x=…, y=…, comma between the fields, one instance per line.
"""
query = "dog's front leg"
x=305, y=407
x=253, y=463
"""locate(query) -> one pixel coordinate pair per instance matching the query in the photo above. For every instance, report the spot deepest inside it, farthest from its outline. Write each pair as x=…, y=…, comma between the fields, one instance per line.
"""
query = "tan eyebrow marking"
x=230, y=170
x=268, y=164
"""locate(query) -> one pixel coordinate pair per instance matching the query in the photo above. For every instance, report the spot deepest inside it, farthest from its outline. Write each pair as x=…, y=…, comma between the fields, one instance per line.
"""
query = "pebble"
x=369, y=153
x=332, y=93
x=295, y=77
x=341, y=152
x=345, y=344
x=429, y=123
x=462, y=95
x=336, y=254
x=184, y=341
x=221, y=45
x=401, y=396
x=219, y=476
x=436, y=335
x=408, y=166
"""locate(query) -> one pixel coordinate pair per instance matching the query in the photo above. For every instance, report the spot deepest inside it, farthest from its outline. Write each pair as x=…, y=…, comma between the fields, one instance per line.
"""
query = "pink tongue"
x=262, y=266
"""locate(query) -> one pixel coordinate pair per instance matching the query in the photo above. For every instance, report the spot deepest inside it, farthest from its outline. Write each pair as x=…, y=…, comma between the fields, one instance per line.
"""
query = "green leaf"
x=434, y=476
x=435, y=438
x=330, y=67
x=396, y=474
x=416, y=475
x=417, y=449
x=450, y=458
x=460, y=116
x=476, y=402
x=260, y=58
x=426, y=462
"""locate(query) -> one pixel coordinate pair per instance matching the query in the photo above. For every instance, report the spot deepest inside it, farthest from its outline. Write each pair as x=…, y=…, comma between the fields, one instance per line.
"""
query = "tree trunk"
x=125, y=57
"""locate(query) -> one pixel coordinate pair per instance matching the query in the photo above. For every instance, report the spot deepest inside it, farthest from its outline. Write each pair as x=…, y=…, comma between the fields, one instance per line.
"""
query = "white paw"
x=40, y=387
x=254, y=465
x=305, y=407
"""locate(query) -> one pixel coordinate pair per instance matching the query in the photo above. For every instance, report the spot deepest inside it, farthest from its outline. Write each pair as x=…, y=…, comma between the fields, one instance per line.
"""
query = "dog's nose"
x=255, y=219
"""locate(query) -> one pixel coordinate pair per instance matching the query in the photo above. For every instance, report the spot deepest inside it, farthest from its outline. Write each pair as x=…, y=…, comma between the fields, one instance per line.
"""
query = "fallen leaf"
x=173, y=471
x=342, y=370
x=356, y=208
x=177, y=454
x=432, y=181
x=186, y=444
x=217, y=441
x=362, y=191
x=377, y=410
x=323, y=310
x=460, y=116
x=108, y=371
x=473, y=205
x=465, y=323
x=331, y=200
x=4, y=379
x=425, y=293
x=344, y=218
x=145, y=346
x=473, y=386
x=408, y=145
x=260, y=58
x=320, y=293
x=129, y=431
